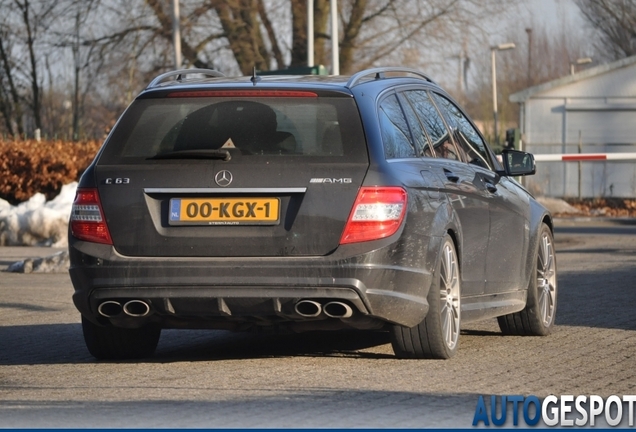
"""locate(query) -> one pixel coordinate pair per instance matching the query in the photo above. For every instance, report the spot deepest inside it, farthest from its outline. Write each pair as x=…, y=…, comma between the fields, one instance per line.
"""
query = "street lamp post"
x=493, y=59
x=579, y=61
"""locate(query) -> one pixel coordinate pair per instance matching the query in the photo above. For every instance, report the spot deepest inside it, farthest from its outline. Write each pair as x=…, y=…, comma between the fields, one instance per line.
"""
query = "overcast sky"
x=550, y=14
x=553, y=12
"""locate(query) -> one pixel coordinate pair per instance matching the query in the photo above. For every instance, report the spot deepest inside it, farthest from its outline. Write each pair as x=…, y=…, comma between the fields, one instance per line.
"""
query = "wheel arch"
x=453, y=235
x=539, y=215
x=547, y=219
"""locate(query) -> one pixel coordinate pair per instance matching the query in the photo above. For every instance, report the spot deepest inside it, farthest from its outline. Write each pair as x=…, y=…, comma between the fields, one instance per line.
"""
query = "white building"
x=593, y=111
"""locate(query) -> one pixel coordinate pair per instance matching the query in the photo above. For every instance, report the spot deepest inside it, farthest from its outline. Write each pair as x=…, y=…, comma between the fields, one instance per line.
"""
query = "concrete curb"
x=618, y=220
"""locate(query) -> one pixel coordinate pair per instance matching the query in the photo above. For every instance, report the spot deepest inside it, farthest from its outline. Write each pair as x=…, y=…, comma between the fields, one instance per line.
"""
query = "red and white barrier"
x=583, y=157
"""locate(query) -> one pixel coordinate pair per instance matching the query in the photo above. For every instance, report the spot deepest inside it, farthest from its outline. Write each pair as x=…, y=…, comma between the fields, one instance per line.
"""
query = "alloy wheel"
x=449, y=297
x=546, y=280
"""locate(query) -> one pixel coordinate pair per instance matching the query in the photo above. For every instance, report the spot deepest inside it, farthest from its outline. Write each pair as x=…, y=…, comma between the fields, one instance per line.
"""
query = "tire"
x=114, y=343
x=537, y=319
x=437, y=336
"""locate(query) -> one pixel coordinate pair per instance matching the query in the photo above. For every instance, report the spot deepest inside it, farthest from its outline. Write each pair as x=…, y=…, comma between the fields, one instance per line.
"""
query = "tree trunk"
x=165, y=21
x=35, y=86
x=76, y=81
x=17, y=109
x=5, y=110
x=299, y=34
x=271, y=34
x=239, y=19
x=321, y=18
x=351, y=31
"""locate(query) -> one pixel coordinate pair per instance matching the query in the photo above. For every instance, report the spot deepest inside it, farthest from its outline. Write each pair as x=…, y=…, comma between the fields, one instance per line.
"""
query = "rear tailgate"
x=287, y=189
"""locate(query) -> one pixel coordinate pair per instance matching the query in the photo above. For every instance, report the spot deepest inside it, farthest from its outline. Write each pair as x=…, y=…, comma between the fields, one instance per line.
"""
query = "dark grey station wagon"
x=303, y=203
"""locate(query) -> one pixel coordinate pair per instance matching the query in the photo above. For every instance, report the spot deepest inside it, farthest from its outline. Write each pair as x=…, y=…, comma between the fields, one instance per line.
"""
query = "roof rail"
x=181, y=73
x=380, y=74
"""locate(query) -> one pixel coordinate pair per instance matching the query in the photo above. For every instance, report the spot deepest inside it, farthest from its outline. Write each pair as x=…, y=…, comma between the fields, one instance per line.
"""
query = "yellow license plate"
x=224, y=211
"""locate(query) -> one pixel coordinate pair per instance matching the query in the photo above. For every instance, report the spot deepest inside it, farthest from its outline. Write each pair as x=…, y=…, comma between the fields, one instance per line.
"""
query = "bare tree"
x=615, y=22
x=33, y=21
x=371, y=30
x=95, y=55
x=10, y=102
x=88, y=57
x=551, y=54
x=21, y=25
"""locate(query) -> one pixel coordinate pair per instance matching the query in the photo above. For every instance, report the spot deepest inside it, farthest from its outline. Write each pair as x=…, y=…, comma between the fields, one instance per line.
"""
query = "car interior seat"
x=251, y=126
x=332, y=139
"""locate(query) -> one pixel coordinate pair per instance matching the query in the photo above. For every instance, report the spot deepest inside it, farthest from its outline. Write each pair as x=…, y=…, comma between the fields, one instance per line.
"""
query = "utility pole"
x=462, y=84
x=310, y=33
x=465, y=65
x=176, y=34
x=463, y=62
x=335, y=52
x=529, y=82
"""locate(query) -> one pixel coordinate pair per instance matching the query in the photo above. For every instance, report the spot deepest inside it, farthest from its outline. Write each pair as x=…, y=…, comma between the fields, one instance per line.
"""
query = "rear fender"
x=453, y=228
x=444, y=222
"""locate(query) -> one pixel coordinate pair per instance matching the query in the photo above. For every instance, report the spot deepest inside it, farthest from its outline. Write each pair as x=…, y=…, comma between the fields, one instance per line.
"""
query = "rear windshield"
x=266, y=126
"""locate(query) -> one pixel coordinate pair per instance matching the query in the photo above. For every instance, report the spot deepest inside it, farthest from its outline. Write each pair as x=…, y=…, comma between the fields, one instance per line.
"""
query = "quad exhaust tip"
x=109, y=309
x=337, y=309
x=136, y=308
x=308, y=308
x=333, y=309
x=133, y=308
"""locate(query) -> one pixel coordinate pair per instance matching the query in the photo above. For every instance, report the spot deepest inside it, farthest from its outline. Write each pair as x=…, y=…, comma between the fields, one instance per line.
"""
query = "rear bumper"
x=386, y=284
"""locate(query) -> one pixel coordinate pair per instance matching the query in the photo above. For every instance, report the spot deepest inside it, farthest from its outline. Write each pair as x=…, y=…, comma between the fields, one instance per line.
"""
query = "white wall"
x=603, y=110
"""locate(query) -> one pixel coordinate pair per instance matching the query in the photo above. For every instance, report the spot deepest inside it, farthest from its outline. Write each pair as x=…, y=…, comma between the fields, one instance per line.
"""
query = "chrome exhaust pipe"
x=136, y=308
x=337, y=309
x=308, y=308
x=109, y=308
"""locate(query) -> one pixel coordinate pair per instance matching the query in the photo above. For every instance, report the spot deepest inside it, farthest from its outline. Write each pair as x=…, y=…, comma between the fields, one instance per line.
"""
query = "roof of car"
x=176, y=79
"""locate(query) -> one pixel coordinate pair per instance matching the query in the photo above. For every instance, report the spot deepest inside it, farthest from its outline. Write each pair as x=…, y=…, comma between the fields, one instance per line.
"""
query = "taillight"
x=377, y=213
x=87, y=218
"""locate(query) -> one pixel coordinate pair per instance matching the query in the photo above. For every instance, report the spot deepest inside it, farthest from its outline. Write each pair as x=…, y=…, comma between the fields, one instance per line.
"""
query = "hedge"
x=28, y=167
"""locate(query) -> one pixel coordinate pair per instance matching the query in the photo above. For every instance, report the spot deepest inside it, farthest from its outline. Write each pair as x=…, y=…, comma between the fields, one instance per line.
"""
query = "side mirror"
x=517, y=163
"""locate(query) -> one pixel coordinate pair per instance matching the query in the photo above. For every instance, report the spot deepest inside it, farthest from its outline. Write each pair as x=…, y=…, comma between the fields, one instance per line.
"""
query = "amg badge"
x=330, y=180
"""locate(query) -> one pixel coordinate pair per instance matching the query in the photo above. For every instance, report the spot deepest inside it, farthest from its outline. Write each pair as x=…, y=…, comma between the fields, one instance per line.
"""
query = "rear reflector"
x=377, y=213
x=87, y=218
x=241, y=93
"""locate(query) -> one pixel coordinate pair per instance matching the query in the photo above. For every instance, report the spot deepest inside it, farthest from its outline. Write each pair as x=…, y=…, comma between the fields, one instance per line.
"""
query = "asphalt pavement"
x=222, y=379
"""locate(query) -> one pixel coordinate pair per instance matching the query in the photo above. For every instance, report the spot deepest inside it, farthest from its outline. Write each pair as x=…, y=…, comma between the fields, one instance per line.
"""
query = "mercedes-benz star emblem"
x=223, y=178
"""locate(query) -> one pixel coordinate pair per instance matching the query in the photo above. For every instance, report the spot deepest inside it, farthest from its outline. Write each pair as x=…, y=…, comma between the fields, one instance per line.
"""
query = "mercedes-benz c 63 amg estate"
x=302, y=203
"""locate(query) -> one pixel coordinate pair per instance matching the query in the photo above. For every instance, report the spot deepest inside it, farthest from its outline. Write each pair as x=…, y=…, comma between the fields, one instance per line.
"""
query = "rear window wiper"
x=194, y=154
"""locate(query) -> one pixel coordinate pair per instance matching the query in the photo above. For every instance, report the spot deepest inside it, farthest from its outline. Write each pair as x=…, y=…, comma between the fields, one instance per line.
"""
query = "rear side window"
x=396, y=135
x=468, y=138
x=272, y=126
x=422, y=143
x=432, y=121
